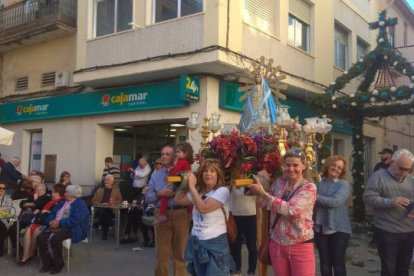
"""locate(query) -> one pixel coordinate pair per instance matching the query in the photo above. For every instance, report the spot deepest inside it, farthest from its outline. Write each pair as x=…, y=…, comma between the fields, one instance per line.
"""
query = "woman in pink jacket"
x=291, y=199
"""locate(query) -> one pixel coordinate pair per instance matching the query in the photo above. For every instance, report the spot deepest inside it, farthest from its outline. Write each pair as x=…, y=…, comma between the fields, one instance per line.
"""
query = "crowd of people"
x=303, y=214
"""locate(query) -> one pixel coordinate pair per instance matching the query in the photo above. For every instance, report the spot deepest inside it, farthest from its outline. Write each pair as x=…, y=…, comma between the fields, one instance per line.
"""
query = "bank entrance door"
x=146, y=140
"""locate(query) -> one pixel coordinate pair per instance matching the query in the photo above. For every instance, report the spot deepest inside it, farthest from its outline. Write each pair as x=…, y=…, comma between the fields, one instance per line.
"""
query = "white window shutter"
x=301, y=9
x=263, y=15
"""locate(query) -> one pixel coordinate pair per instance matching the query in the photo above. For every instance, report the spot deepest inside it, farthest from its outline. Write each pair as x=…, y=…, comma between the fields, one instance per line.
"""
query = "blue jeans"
x=332, y=250
x=246, y=226
x=395, y=251
x=208, y=257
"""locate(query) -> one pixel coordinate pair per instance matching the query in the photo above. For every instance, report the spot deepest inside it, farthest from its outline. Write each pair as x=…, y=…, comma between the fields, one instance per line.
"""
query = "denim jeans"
x=332, y=250
x=246, y=226
x=209, y=257
x=395, y=251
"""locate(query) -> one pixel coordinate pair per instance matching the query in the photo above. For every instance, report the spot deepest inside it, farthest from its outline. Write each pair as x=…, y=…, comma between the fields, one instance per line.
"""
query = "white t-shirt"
x=211, y=225
x=240, y=204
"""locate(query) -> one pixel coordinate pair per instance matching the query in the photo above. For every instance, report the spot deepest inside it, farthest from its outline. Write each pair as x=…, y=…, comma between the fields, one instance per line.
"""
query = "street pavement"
x=362, y=260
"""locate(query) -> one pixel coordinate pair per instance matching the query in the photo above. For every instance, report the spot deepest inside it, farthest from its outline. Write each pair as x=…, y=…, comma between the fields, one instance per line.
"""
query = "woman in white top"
x=207, y=251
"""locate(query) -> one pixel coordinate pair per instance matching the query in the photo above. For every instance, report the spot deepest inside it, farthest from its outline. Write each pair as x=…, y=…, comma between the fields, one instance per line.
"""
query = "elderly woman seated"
x=68, y=220
x=30, y=237
x=106, y=195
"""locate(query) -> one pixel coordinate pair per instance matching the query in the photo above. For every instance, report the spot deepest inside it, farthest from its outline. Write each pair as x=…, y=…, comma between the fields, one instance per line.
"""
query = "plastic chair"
x=16, y=206
x=67, y=247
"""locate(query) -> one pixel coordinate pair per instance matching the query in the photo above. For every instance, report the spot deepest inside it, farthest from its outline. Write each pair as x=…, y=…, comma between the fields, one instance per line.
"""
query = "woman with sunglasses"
x=290, y=200
x=207, y=251
x=5, y=205
x=331, y=221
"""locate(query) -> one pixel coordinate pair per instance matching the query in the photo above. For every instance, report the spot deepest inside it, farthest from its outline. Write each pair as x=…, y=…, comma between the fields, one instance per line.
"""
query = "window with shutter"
x=298, y=33
x=301, y=10
x=300, y=16
x=263, y=15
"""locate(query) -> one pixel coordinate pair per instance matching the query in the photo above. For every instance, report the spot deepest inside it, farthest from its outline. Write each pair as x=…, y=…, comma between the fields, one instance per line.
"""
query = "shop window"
x=169, y=9
x=22, y=83
x=298, y=33
x=112, y=16
x=362, y=48
x=341, y=47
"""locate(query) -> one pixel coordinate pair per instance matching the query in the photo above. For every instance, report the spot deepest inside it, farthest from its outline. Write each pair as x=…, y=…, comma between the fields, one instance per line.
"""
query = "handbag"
x=26, y=217
x=263, y=253
x=230, y=226
x=40, y=218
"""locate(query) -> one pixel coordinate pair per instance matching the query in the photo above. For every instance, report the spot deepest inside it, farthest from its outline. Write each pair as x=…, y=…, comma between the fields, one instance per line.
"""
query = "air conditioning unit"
x=62, y=79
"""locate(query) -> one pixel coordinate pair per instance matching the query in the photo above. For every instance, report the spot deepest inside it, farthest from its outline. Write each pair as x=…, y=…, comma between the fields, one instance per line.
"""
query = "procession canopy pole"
x=262, y=225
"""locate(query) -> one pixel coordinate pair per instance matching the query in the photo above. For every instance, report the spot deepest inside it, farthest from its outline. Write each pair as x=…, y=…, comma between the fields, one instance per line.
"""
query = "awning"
x=6, y=136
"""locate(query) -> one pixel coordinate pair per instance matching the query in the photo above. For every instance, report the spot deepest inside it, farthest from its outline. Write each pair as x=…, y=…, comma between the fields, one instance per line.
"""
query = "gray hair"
x=109, y=176
x=15, y=159
x=74, y=190
x=35, y=178
x=402, y=152
x=40, y=185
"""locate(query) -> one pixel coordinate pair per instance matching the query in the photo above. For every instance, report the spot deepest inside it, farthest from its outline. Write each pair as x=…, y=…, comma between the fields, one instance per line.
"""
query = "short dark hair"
x=26, y=184
x=109, y=160
x=59, y=188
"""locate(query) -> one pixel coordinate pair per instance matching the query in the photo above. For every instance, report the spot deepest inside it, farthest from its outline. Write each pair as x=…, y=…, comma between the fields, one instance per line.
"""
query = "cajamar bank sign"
x=124, y=98
x=30, y=109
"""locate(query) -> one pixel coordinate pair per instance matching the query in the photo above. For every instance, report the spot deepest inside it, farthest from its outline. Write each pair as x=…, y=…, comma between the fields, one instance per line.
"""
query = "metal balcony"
x=32, y=21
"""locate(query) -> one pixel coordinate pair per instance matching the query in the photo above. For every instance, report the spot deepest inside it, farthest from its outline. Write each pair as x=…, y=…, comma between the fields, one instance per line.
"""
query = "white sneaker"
x=137, y=249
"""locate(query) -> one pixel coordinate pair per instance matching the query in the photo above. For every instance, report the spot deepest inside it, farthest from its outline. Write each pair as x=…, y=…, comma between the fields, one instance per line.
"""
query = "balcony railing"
x=31, y=15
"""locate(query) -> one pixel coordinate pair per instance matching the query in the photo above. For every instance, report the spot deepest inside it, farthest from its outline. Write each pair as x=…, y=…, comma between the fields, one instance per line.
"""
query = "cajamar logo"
x=123, y=98
x=29, y=109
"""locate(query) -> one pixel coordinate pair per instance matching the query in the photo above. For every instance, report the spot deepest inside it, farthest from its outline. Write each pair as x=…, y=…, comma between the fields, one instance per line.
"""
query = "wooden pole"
x=262, y=225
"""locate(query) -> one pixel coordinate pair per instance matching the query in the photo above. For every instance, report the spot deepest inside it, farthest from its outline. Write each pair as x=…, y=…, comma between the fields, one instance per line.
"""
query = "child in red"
x=184, y=158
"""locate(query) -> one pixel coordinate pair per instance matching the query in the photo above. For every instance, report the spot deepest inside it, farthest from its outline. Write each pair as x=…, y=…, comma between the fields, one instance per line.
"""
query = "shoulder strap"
x=278, y=216
x=224, y=213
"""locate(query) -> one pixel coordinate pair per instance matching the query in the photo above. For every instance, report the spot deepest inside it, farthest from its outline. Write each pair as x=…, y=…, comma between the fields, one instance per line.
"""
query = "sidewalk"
x=362, y=260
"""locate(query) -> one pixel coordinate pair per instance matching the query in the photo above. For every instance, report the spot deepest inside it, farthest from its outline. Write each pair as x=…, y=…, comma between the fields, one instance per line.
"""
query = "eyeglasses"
x=295, y=152
x=2, y=188
x=402, y=169
x=158, y=163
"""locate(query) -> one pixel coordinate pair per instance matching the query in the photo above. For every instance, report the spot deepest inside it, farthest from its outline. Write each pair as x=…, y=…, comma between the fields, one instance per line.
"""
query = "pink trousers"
x=292, y=260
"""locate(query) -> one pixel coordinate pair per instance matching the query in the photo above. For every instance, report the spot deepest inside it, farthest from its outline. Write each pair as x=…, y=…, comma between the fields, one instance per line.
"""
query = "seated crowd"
x=47, y=218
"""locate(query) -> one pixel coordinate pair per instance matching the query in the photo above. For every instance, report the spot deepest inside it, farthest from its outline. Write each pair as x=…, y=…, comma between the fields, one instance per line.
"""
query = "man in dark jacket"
x=386, y=155
x=11, y=175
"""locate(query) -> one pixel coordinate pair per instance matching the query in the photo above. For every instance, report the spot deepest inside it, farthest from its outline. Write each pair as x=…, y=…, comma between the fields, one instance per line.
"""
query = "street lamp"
x=313, y=126
x=211, y=124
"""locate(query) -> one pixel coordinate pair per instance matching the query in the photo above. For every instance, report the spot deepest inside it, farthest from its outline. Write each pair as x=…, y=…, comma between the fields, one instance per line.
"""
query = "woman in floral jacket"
x=291, y=199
